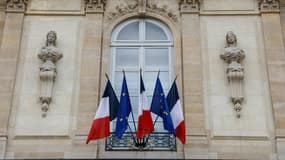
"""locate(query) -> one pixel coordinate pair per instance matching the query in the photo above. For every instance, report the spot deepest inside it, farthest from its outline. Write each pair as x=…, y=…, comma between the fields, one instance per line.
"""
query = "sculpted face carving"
x=51, y=38
x=231, y=38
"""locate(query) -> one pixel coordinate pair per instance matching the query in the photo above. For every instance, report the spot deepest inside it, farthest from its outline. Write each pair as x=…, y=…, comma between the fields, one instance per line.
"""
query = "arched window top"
x=141, y=47
x=141, y=30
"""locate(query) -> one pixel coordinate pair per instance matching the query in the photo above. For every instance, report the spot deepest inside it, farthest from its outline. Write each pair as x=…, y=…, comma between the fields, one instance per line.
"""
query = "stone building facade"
x=231, y=84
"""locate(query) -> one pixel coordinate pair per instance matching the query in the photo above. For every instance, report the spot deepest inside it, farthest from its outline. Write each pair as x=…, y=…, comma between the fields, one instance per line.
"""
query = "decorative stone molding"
x=269, y=5
x=3, y=5
x=16, y=5
x=189, y=6
x=121, y=10
x=49, y=55
x=141, y=7
x=233, y=56
x=162, y=10
x=95, y=6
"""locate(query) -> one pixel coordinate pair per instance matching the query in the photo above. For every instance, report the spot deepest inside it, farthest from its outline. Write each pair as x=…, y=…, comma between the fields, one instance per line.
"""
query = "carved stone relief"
x=268, y=5
x=190, y=6
x=95, y=5
x=141, y=7
x=16, y=5
x=49, y=55
x=123, y=9
x=233, y=56
x=162, y=10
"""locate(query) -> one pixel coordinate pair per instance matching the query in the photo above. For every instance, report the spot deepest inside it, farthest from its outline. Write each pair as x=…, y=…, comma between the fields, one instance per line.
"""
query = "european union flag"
x=160, y=107
x=124, y=110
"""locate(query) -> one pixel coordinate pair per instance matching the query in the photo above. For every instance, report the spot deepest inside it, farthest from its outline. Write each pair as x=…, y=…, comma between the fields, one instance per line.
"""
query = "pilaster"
x=275, y=60
x=9, y=52
x=89, y=74
x=192, y=79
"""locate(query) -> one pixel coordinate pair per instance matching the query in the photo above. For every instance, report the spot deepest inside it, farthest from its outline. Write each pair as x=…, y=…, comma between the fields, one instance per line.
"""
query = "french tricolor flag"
x=145, y=125
x=107, y=111
x=176, y=113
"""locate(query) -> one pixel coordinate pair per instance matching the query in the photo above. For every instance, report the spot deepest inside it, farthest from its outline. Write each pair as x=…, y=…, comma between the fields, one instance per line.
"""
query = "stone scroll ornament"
x=49, y=55
x=233, y=56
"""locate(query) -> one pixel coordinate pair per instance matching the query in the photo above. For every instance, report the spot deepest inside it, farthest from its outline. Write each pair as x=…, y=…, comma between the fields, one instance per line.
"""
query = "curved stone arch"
x=109, y=26
x=173, y=26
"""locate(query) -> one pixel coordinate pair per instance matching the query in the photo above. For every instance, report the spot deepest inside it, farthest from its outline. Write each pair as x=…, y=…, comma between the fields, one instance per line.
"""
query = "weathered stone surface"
x=192, y=84
x=228, y=5
x=27, y=108
x=55, y=5
x=255, y=122
x=212, y=130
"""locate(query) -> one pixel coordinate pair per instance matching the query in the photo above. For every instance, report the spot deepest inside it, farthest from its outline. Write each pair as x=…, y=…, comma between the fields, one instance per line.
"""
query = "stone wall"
x=198, y=27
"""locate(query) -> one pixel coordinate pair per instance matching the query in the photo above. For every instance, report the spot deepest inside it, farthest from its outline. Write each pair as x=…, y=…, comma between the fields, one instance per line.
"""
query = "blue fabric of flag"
x=172, y=96
x=160, y=107
x=124, y=110
x=113, y=100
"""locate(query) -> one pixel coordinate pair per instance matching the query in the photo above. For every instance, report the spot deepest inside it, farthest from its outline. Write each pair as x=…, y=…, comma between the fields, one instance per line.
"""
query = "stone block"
x=55, y=5
x=42, y=155
x=229, y=5
x=90, y=61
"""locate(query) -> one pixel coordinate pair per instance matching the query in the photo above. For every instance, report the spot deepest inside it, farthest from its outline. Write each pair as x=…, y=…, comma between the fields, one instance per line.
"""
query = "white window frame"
x=142, y=44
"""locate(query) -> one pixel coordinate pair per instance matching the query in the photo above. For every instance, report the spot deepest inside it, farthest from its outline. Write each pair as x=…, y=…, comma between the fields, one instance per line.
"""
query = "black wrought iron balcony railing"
x=157, y=141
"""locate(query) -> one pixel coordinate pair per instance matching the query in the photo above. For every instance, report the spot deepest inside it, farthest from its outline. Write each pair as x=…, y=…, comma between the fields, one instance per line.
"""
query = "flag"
x=124, y=110
x=145, y=125
x=160, y=107
x=107, y=111
x=176, y=112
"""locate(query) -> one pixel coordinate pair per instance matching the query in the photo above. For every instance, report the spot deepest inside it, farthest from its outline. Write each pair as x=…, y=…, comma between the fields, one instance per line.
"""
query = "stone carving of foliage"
x=268, y=5
x=190, y=5
x=16, y=4
x=95, y=5
x=121, y=10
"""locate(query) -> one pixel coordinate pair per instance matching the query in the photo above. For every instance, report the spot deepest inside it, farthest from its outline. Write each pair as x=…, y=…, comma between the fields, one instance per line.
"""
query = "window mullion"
x=151, y=58
x=170, y=67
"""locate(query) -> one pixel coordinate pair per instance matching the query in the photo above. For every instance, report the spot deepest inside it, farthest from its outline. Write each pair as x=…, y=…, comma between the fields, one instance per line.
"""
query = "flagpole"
x=156, y=115
x=131, y=111
x=175, y=78
x=134, y=138
x=107, y=76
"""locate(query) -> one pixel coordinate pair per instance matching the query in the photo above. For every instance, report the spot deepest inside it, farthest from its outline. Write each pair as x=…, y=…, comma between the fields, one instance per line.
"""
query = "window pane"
x=127, y=57
x=135, y=103
x=132, y=82
x=156, y=57
x=153, y=32
x=129, y=32
x=150, y=80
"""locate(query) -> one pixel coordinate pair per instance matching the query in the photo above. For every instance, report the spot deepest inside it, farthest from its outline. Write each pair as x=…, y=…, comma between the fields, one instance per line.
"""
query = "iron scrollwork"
x=157, y=141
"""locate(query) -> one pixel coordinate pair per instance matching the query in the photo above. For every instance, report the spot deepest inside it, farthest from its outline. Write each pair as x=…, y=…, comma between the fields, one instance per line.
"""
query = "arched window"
x=141, y=44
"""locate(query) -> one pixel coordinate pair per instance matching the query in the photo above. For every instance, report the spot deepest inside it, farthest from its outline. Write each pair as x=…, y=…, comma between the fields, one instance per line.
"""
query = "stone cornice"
x=16, y=5
x=95, y=6
x=269, y=5
x=189, y=6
